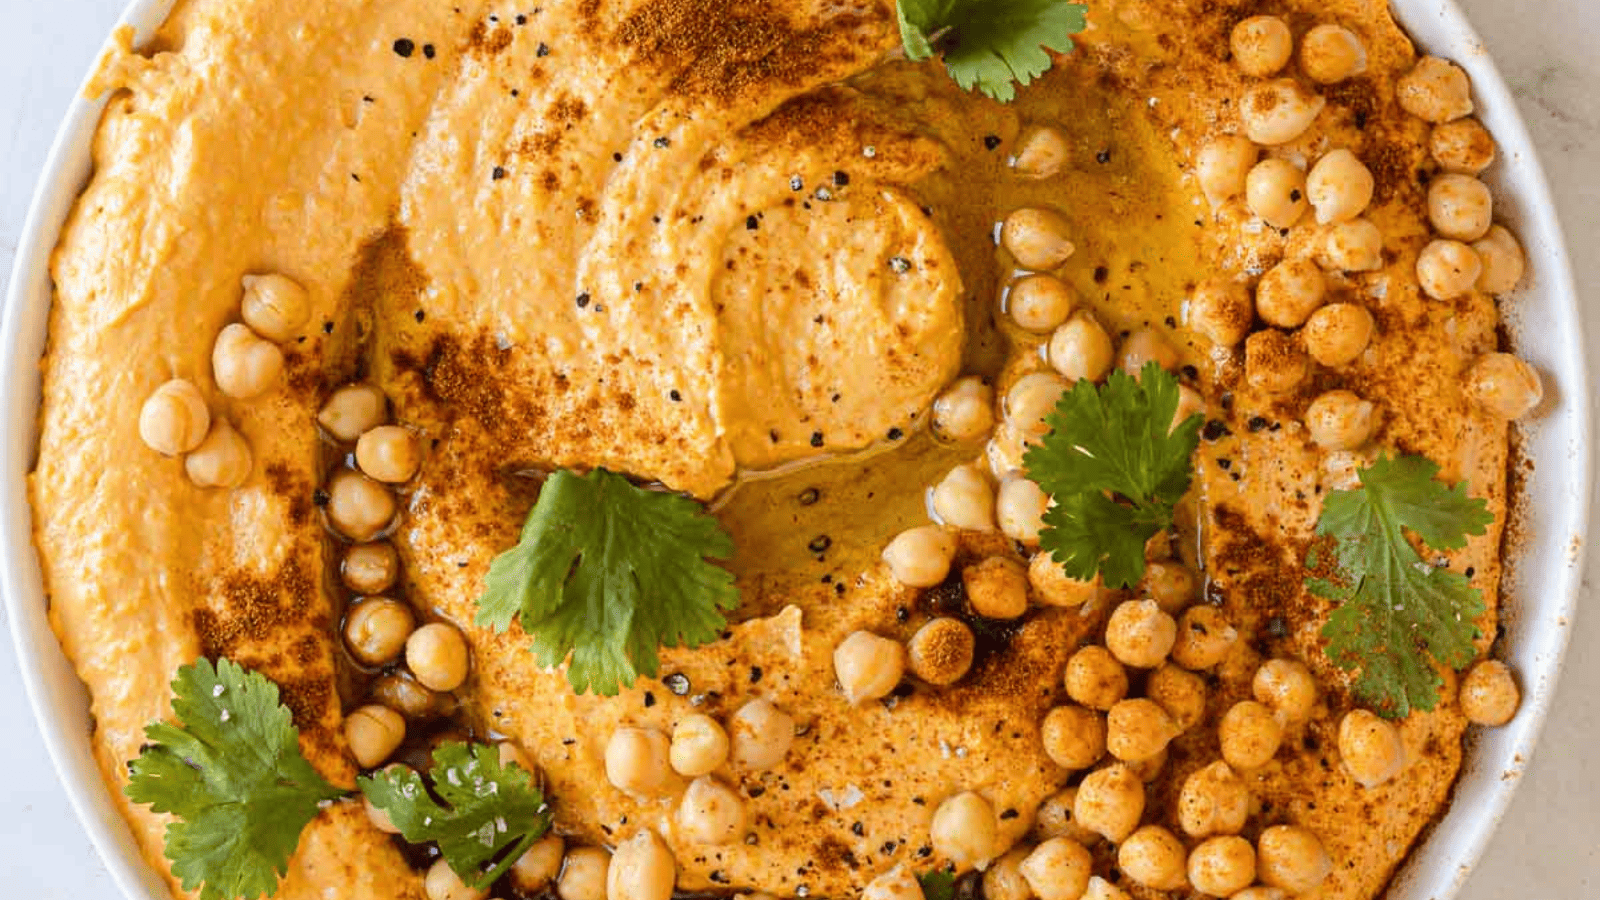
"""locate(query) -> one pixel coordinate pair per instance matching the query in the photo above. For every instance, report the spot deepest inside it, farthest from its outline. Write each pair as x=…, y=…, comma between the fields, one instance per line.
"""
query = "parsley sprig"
x=1398, y=615
x=1115, y=466
x=990, y=45
x=607, y=573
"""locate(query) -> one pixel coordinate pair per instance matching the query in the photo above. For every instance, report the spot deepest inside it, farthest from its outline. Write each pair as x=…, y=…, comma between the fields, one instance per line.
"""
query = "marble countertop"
x=1549, y=846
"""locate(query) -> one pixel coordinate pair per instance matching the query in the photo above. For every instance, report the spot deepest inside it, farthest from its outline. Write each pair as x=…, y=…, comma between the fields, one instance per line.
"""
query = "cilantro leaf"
x=233, y=774
x=491, y=813
x=609, y=572
x=1115, y=466
x=937, y=885
x=1397, y=614
x=990, y=44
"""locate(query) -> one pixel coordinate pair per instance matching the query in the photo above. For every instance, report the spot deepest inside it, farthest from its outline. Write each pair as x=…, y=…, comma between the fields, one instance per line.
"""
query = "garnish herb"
x=1115, y=465
x=990, y=45
x=233, y=774
x=1398, y=615
x=491, y=811
x=609, y=572
x=937, y=885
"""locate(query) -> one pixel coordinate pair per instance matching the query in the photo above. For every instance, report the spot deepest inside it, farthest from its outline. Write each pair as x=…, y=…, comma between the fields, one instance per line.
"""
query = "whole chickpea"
x=920, y=557
x=1292, y=858
x=868, y=666
x=1222, y=310
x=1489, y=693
x=1504, y=386
x=353, y=410
x=1004, y=451
x=1138, y=729
x=373, y=732
x=1031, y=398
x=642, y=868
x=584, y=874
x=997, y=588
x=1331, y=53
x=711, y=813
x=1250, y=735
x=1290, y=292
x=1278, y=112
x=1287, y=686
x=1172, y=585
x=1261, y=45
x=1370, y=748
x=1222, y=166
x=1448, y=269
x=1039, y=303
x=1080, y=349
x=370, y=568
x=1274, y=362
x=896, y=884
x=1204, y=638
x=376, y=630
x=1020, y=507
x=699, y=745
x=402, y=692
x=1003, y=880
x=940, y=652
x=388, y=453
x=1339, y=187
x=1139, y=634
x=1054, y=587
x=1503, y=261
x=1054, y=819
x=1144, y=346
x=964, y=830
x=964, y=499
x=539, y=865
x=1460, y=207
x=1037, y=238
x=243, y=365
x=965, y=411
x=1073, y=737
x=274, y=306
x=442, y=883
x=380, y=819
x=1340, y=420
x=1180, y=692
x=1042, y=152
x=1275, y=190
x=1213, y=800
x=759, y=735
x=1058, y=869
x=1153, y=857
x=1337, y=334
x=637, y=761
x=174, y=419
x=1462, y=146
x=358, y=507
x=222, y=460
x=436, y=654
x=1147, y=770
x=1095, y=679
x=1435, y=90
x=1353, y=246
x=1222, y=866
x=1110, y=802
x=1101, y=889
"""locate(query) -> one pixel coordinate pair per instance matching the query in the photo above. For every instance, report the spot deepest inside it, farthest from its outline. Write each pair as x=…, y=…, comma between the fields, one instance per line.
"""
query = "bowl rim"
x=1436, y=868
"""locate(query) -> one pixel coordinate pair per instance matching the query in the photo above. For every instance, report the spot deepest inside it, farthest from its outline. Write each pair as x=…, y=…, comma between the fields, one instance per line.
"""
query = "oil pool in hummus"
x=361, y=270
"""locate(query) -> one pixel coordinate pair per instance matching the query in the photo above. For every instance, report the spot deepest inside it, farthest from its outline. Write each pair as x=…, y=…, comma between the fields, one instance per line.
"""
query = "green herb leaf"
x=937, y=885
x=1397, y=614
x=491, y=813
x=609, y=572
x=1115, y=466
x=233, y=774
x=990, y=44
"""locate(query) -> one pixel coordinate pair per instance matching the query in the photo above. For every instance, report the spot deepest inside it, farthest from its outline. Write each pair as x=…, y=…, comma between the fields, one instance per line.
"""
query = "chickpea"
x=1054, y=819
x=174, y=419
x=1290, y=292
x=1080, y=349
x=1250, y=735
x=1180, y=692
x=1337, y=334
x=243, y=365
x=1221, y=310
x=539, y=865
x=1139, y=634
x=1058, y=869
x=642, y=868
x=1153, y=857
x=1222, y=166
x=1138, y=730
x=376, y=630
x=379, y=819
x=1278, y=112
x=1504, y=386
x=1033, y=397
x=1340, y=420
x=1222, y=866
x=1146, y=345
x=895, y=884
x=1004, y=880
x=1037, y=238
x=1460, y=207
x=1110, y=802
x=584, y=874
x=964, y=411
x=1287, y=686
x=401, y=692
x=437, y=655
x=1039, y=303
x=1339, y=187
x=1353, y=246
x=442, y=883
x=920, y=557
x=373, y=732
x=1004, y=452
x=388, y=453
x=1213, y=800
x=637, y=761
x=1020, y=507
x=1436, y=91
x=1503, y=261
x=699, y=745
x=353, y=410
x=940, y=653
x=1073, y=737
x=1171, y=585
x=1274, y=362
x=1055, y=587
x=1204, y=638
x=1276, y=192
x=1448, y=269
x=1147, y=770
x=1331, y=53
x=964, y=830
x=1462, y=146
x=1095, y=679
x=274, y=306
x=370, y=568
x=711, y=813
x=1260, y=892
x=1042, y=152
x=358, y=507
x=222, y=459
x=997, y=588
x=964, y=499
x=759, y=735
x=1292, y=858
x=1101, y=889
x=1489, y=693
x=1371, y=749
x=868, y=666
x=1261, y=45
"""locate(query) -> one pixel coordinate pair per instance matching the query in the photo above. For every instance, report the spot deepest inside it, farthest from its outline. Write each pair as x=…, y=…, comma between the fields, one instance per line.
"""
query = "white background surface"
x=1549, y=847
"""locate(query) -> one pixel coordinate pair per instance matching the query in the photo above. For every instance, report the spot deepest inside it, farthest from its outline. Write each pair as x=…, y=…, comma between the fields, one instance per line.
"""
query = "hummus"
x=717, y=246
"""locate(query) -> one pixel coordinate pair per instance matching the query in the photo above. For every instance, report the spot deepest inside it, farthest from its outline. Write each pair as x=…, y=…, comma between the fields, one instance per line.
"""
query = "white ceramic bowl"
x=1541, y=591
